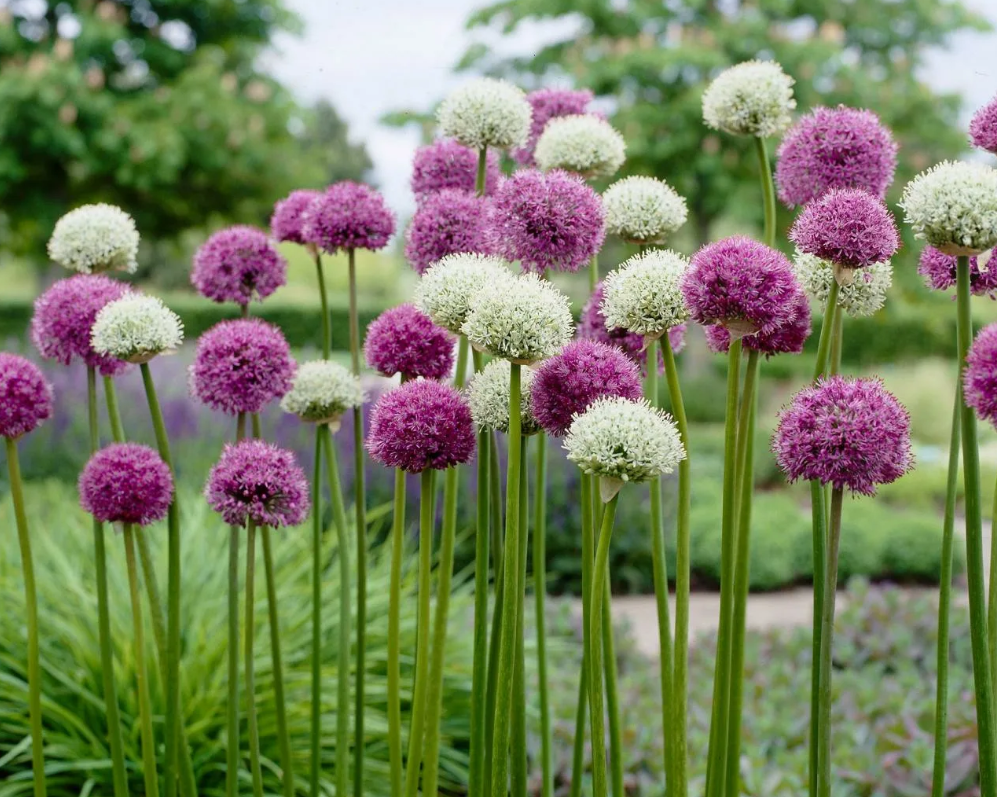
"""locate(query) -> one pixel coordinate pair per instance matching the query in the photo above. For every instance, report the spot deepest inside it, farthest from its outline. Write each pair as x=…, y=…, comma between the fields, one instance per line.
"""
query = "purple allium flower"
x=847, y=226
x=288, y=215
x=979, y=380
x=592, y=326
x=126, y=483
x=786, y=339
x=25, y=396
x=238, y=264
x=260, y=482
x=422, y=424
x=447, y=164
x=849, y=433
x=547, y=220
x=584, y=371
x=446, y=223
x=938, y=270
x=404, y=340
x=835, y=148
x=64, y=316
x=547, y=104
x=348, y=215
x=241, y=366
x=740, y=283
x=983, y=127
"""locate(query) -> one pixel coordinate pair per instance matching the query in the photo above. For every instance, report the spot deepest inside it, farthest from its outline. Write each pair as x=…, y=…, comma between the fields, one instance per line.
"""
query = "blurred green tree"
x=327, y=149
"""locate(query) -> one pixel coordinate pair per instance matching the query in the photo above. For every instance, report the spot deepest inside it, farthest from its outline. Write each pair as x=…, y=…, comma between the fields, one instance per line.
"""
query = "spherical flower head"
x=620, y=440
x=404, y=340
x=486, y=113
x=528, y=320
x=488, y=397
x=422, y=424
x=258, y=482
x=643, y=210
x=850, y=433
x=847, y=226
x=348, y=215
x=447, y=288
x=322, y=391
x=979, y=380
x=25, y=396
x=569, y=382
x=864, y=296
x=94, y=238
x=983, y=127
x=241, y=366
x=953, y=206
x=446, y=223
x=786, y=339
x=64, y=316
x=744, y=285
x=289, y=213
x=835, y=148
x=135, y=328
x=449, y=164
x=939, y=272
x=754, y=98
x=585, y=144
x=549, y=220
x=549, y=104
x=126, y=483
x=644, y=295
x=238, y=264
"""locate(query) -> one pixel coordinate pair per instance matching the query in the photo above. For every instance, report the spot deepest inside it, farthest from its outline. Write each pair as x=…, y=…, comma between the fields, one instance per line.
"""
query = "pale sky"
x=372, y=56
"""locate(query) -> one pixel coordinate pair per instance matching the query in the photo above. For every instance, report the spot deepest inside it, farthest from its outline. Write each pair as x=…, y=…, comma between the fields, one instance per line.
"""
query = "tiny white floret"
x=754, y=98
x=486, y=113
x=585, y=144
x=322, y=391
x=136, y=328
x=95, y=238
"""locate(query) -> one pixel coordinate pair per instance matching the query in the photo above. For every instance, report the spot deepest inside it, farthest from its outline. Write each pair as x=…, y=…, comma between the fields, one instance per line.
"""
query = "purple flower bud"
x=126, y=483
x=786, y=339
x=241, y=366
x=847, y=226
x=64, y=316
x=238, y=264
x=547, y=220
x=447, y=164
x=569, y=382
x=348, y=215
x=849, y=433
x=983, y=127
x=422, y=424
x=938, y=270
x=258, y=481
x=25, y=396
x=404, y=340
x=288, y=215
x=446, y=223
x=547, y=104
x=835, y=148
x=979, y=381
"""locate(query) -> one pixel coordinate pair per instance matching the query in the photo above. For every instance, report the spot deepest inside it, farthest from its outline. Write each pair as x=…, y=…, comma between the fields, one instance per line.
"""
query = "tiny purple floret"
x=548, y=104
x=25, y=396
x=938, y=270
x=348, y=215
x=288, y=215
x=847, y=226
x=786, y=339
x=448, y=165
x=126, y=483
x=446, y=223
x=238, y=264
x=404, y=340
x=983, y=127
x=979, y=382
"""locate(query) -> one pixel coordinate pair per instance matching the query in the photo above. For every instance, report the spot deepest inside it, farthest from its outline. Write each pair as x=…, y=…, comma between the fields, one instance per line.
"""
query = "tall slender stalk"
x=324, y=299
x=315, y=742
x=588, y=562
x=540, y=612
x=491, y=686
x=495, y=504
x=394, y=636
x=616, y=754
x=594, y=273
x=232, y=709
x=827, y=637
x=254, y=732
x=519, y=765
x=768, y=190
x=578, y=746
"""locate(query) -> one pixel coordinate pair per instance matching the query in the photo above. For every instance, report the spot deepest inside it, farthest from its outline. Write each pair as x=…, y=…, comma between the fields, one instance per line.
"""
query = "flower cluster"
x=645, y=294
x=446, y=223
x=786, y=339
x=126, y=483
x=548, y=104
x=939, y=272
x=448, y=287
x=847, y=226
x=136, y=328
x=983, y=127
x=488, y=397
x=25, y=396
x=238, y=264
x=260, y=483
x=289, y=215
x=865, y=295
x=404, y=340
x=448, y=164
x=584, y=144
x=953, y=206
x=322, y=391
x=750, y=99
x=348, y=215
x=95, y=238
x=486, y=113
x=643, y=210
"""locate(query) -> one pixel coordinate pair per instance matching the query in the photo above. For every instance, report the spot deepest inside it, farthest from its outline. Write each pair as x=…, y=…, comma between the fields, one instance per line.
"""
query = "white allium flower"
x=488, y=396
x=865, y=295
x=528, y=320
x=953, y=206
x=136, y=328
x=644, y=295
x=585, y=144
x=750, y=99
x=643, y=210
x=621, y=441
x=486, y=113
x=446, y=289
x=95, y=238
x=322, y=391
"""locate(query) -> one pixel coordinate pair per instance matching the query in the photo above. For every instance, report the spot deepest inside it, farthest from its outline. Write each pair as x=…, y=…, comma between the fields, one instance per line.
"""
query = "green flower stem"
x=394, y=636
x=31, y=619
x=315, y=742
x=837, y=335
x=491, y=687
x=594, y=273
x=173, y=722
x=768, y=190
x=616, y=755
x=974, y=550
x=482, y=173
x=827, y=637
x=495, y=505
x=254, y=732
x=119, y=777
x=343, y=653
x=588, y=561
x=512, y=589
x=680, y=677
x=324, y=299
x=831, y=310
x=945, y=604
x=578, y=748
x=717, y=756
x=540, y=598
x=742, y=561
x=600, y=572
x=113, y=414
x=232, y=758
x=519, y=766
x=144, y=707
